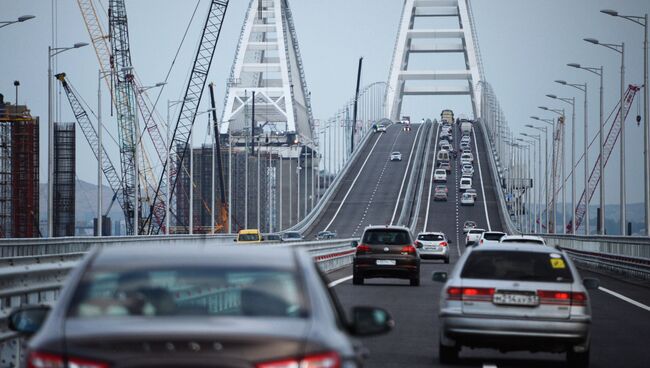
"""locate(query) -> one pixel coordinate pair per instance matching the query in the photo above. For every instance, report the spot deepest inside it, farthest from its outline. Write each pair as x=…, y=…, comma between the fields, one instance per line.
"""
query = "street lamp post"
x=560, y=112
x=538, y=138
x=548, y=199
x=599, y=72
x=643, y=22
x=51, y=52
x=571, y=101
x=583, y=88
x=19, y=20
x=619, y=48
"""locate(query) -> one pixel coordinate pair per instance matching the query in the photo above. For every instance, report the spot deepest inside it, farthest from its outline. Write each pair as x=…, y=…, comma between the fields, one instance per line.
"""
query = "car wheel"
x=357, y=279
x=415, y=281
x=447, y=260
x=448, y=354
x=577, y=360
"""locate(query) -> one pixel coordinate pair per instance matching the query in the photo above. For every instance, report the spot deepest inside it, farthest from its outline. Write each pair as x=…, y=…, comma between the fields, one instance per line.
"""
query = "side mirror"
x=354, y=244
x=29, y=319
x=368, y=321
x=439, y=276
x=591, y=283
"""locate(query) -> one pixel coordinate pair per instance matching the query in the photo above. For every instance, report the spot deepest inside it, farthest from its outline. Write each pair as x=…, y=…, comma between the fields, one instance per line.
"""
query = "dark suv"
x=386, y=251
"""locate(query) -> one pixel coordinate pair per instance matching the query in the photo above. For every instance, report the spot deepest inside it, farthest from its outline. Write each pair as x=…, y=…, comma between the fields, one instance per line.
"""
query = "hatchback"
x=433, y=245
x=386, y=252
x=440, y=175
x=468, y=225
x=515, y=296
x=196, y=306
x=523, y=239
x=491, y=237
x=473, y=236
x=465, y=183
x=395, y=156
x=467, y=199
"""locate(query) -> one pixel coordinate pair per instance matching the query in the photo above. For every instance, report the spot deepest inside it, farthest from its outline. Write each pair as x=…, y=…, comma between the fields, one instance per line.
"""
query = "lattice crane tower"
x=268, y=63
x=434, y=41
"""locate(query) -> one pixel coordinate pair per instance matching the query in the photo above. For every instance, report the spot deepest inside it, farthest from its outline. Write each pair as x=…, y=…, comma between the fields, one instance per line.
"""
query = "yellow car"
x=249, y=236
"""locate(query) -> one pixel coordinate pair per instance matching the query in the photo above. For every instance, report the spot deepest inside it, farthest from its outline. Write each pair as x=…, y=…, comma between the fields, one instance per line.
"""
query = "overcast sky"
x=525, y=45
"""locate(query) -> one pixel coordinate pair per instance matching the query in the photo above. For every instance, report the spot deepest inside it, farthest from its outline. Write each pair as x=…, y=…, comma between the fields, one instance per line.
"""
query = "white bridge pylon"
x=268, y=63
x=412, y=40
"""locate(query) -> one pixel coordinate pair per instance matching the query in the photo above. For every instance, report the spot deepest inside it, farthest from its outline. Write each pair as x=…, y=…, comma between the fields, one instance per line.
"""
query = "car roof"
x=394, y=227
x=249, y=231
x=195, y=254
x=431, y=233
x=516, y=246
x=394, y=152
x=494, y=232
x=523, y=237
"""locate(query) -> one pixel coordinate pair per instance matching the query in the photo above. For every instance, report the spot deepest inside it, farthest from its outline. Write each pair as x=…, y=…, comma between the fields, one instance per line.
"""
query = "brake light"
x=470, y=293
x=408, y=249
x=46, y=360
x=443, y=244
x=561, y=297
x=481, y=242
x=362, y=248
x=325, y=360
x=454, y=293
x=478, y=291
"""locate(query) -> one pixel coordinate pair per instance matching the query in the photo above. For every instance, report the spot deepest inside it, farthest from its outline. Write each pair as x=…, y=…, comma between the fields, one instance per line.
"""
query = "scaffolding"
x=64, y=179
x=5, y=179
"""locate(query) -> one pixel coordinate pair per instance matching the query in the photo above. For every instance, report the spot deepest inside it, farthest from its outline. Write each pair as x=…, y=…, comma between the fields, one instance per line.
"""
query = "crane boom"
x=193, y=93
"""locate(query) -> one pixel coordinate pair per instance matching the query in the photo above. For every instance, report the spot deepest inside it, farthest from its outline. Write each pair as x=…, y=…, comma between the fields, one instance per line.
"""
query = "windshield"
x=292, y=235
x=492, y=236
x=386, y=236
x=190, y=291
x=248, y=237
x=431, y=237
x=517, y=265
x=523, y=240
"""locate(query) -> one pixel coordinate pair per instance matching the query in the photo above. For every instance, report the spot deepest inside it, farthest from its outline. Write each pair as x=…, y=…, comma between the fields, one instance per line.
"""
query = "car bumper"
x=433, y=253
x=514, y=334
x=403, y=269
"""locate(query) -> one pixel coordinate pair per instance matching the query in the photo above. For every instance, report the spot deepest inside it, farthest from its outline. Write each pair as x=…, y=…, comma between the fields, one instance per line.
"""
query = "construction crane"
x=610, y=141
x=88, y=130
x=222, y=220
x=189, y=106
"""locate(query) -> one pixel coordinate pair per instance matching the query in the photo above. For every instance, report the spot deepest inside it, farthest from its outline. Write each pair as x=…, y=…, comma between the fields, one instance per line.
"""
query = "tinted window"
x=476, y=231
x=248, y=237
x=291, y=235
x=386, y=236
x=516, y=265
x=431, y=237
x=514, y=240
x=492, y=236
x=189, y=291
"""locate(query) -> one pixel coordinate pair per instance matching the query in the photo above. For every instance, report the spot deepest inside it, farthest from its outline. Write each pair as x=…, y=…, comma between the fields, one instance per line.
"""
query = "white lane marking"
x=457, y=182
x=480, y=174
x=339, y=281
x=353, y=182
x=624, y=298
x=405, y=174
x=433, y=168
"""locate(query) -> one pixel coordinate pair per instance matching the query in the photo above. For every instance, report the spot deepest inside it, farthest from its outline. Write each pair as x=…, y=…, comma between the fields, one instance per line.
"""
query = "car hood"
x=186, y=341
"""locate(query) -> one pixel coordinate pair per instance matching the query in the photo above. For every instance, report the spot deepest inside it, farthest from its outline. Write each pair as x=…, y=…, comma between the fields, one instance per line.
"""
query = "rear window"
x=476, y=231
x=431, y=237
x=515, y=240
x=291, y=235
x=492, y=236
x=189, y=291
x=248, y=237
x=386, y=236
x=517, y=266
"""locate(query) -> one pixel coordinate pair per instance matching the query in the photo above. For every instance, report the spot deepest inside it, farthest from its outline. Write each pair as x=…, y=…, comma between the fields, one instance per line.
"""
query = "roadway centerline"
x=415, y=140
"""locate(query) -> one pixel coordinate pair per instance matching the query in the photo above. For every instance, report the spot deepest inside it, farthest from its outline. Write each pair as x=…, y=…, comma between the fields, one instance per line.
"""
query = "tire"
x=447, y=354
x=577, y=360
x=447, y=260
x=357, y=279
x=415, y=281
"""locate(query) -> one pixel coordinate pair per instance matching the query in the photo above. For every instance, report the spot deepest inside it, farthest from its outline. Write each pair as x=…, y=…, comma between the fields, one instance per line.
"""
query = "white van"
x=465, y=183
x=443, y=156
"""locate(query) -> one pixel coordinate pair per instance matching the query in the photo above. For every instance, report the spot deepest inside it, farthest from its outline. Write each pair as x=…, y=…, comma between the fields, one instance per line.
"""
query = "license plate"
x=386, y=262
x=431, y=248
x=515, y=299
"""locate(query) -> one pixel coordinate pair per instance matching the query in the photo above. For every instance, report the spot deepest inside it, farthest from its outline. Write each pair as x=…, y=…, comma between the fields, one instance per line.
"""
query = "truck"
x=406, y=120
x=447, y=115
x=466, y=127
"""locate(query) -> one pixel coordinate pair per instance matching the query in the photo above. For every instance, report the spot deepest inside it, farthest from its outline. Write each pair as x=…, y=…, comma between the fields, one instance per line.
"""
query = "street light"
x=537, y=137
x=643, y=22
x=571, y=101
x=619, y=48
x=599, y=72
x=51, y=52
x=19, y=20
x=546, y=176
x=530, y=146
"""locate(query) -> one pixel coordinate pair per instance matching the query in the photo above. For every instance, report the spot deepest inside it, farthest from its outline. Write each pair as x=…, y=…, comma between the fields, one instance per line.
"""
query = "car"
x=292, y=236
x=516, y=296
x=273, y=238
x=446, y=166
x=466, y=150
x=433, y=245
x=473, y=236
x=467, y=156
x=381, y=128
x=491, y=237
x=468, y=169
x=446, y=147
x=443, y=142
x=523, y=239
x=467, y=199
x=466, y=138
x=324, y=235
x=440, y=193
x=246, y=236
x=189, y=306
x=472, y=191
x=464, y=146
x=386, y=252
x=440, y=175
x=465, y=183
x=468, y=225
x=395, y=156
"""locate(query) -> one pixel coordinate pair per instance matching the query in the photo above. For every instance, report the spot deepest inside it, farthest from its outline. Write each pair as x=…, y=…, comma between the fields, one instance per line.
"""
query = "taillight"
x=325, y=360
x=46, y=360
x=443, y=244
x=481, y=242
x=561, y=297
x=417, y=244
x=470, y=293
x=363, y=248
x=408, y=249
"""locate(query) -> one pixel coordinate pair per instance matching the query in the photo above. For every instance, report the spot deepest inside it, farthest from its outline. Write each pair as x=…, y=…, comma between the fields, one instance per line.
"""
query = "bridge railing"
x=34, y=271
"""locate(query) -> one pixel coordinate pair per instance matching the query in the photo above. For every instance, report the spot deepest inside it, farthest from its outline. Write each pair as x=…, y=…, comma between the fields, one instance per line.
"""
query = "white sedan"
x=396, y=156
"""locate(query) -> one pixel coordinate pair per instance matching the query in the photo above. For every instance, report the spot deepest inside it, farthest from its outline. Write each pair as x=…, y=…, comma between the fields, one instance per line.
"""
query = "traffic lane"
x=488, y=181
x=386, y=191
x=633, y=289
x=346, y=182
x=427, y=192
